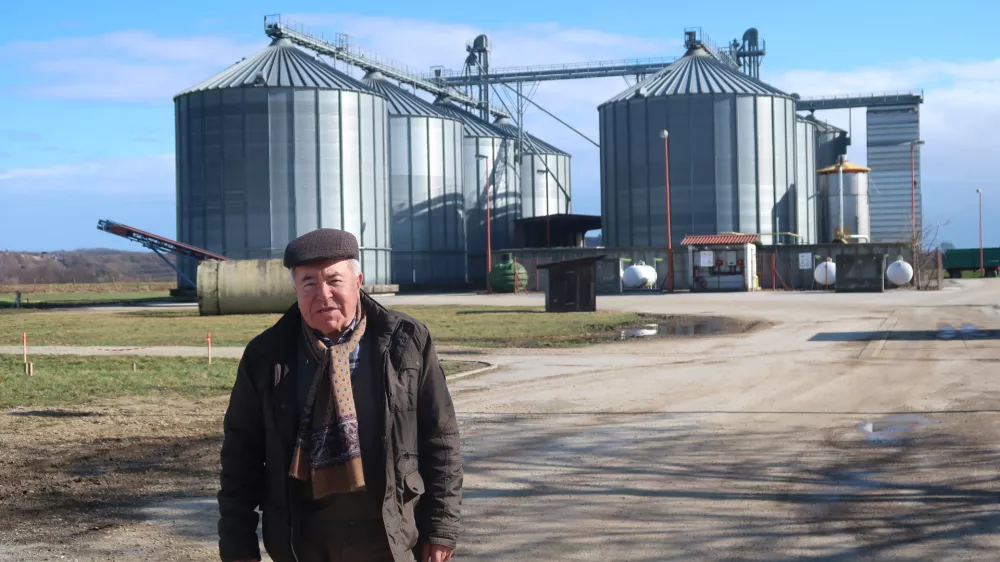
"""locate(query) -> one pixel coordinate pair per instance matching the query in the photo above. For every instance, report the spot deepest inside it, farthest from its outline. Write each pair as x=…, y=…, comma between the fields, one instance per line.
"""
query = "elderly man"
x=340, y=427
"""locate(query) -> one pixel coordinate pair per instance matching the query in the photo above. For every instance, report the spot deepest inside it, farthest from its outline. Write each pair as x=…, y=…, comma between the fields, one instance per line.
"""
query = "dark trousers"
x=326, y=539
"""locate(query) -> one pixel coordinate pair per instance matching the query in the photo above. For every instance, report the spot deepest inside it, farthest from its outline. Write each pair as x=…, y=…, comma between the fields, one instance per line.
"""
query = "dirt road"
x=855, y=428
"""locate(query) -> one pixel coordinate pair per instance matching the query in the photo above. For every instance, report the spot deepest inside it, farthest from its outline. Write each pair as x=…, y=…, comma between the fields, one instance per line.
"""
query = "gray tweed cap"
x=321, y=245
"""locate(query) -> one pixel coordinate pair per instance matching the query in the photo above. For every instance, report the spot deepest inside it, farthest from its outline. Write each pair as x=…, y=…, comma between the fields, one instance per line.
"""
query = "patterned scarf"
x=328, y=450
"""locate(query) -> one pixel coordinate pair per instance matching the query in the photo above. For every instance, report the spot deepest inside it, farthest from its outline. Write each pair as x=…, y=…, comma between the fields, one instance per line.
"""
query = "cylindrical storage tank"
x=639, y=276
x=857, y=215
x=806, y=217
x=508, y=276
x=825, y=273
x=899, y=272
x=545, y=174
x=426, y=190
x=731, y=155
x=244, y=287
x=487, y=161
x=277, y=145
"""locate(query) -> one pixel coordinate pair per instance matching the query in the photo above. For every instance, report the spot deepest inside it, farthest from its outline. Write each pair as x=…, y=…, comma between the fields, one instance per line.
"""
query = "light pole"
x=982, y=269
x=666, y=182
x=913, y=212
x=489, y=256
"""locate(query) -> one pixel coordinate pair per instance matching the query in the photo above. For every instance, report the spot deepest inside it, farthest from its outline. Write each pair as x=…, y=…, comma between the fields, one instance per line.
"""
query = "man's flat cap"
x=321, y=245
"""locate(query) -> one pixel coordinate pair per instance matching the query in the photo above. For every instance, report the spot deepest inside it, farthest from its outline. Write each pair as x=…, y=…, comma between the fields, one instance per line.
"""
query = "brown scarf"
x=328, y=450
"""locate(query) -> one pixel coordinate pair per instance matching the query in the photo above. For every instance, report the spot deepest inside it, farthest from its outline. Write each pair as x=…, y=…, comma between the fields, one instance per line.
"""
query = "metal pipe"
x=840, y=178
x=913, y=213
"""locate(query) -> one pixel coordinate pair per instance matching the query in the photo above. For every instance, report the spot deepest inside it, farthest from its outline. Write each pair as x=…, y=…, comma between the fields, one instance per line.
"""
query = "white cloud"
x=142, y=176
x=123, y=66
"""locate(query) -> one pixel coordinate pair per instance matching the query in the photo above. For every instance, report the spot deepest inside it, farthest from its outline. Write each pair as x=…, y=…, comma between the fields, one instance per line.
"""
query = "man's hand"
x=436, y=553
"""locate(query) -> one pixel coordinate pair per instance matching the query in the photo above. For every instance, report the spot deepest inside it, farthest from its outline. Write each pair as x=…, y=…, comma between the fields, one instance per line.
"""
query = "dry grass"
x=449, y=325
x=69, y=380
x=87, y=288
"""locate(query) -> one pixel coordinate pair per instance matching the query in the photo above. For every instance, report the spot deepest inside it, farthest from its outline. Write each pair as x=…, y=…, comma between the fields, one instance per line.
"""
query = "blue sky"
x=86, y=114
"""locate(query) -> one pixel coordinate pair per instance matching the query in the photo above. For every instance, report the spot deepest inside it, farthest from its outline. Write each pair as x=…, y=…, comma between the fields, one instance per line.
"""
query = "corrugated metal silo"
x=488, y=156
x=545, y=175
x=275, y=146
x=806, y=218
x=731, y=159
x=831, y=142
x=425, y=189
x=857, y=212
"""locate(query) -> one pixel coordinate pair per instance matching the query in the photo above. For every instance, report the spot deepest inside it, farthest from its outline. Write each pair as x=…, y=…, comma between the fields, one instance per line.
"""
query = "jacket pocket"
x=413, y=486
x=276, y=535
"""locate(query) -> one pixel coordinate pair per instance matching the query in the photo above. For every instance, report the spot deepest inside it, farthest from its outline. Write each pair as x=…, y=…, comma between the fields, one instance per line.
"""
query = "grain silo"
x=545, y=175
x=853, y=199
x=831, y=142
x=276, y=145
x=731, y=140
x=806, y=217
x=488, y=158
x=425, y=189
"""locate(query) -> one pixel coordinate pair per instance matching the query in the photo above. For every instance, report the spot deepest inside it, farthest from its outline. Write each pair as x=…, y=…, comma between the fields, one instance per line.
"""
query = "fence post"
x=24, y=346
x=208, y=339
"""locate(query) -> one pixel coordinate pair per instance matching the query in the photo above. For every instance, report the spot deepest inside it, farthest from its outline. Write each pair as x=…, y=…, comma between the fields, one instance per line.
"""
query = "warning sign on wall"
x=706, y=258
x=805, y=261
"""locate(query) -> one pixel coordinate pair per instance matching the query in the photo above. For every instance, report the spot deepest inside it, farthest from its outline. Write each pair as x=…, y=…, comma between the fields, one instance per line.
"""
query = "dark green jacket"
x=423, y=464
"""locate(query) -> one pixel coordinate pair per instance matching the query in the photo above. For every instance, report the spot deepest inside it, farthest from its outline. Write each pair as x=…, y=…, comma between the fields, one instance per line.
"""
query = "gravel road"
x=856, y=427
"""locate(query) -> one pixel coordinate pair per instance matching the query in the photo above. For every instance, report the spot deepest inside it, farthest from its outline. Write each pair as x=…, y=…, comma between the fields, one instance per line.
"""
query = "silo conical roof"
x=849, y=168
x=400, y=101
x=532, y=143
x=698, y=72
x=474, y=126
x=281, y=64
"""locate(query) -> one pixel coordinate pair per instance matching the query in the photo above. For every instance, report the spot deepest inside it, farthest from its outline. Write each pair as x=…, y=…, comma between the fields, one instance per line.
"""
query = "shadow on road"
x=649, y=488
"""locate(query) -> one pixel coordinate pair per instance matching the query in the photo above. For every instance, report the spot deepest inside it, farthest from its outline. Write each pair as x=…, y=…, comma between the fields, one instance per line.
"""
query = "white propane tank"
x=639, y=276
x=826, y=273
x=899, y=272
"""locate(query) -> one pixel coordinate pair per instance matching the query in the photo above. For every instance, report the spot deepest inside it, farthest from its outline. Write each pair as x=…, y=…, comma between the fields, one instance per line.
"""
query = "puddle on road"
x=893, y=429
x=698, y=327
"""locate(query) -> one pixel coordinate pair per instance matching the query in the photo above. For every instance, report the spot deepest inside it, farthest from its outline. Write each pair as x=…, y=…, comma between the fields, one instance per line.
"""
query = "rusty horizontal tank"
x=251, y=287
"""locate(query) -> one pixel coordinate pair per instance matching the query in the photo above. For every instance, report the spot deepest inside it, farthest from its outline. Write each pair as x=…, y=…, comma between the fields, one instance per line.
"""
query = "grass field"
x=33, y=300
x=449, y=325
x=67, y=380
x=68, y=288
x=84, y=293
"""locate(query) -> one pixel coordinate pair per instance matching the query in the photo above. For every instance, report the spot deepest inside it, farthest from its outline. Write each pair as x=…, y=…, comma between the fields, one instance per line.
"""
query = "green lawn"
x=449, y=325
x=67, y=380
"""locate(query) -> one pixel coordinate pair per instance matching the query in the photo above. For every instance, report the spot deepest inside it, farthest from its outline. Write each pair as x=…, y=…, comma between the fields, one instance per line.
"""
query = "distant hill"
x=96, y=265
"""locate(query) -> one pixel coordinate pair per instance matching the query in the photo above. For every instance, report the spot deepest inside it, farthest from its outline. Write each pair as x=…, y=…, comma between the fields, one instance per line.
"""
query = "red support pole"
x=670, y=246
x=489, y=242
x=913, y=216
x=982, y=266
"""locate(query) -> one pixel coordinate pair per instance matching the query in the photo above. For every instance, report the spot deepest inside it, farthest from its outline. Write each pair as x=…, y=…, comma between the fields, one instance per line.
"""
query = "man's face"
x=328, y=294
